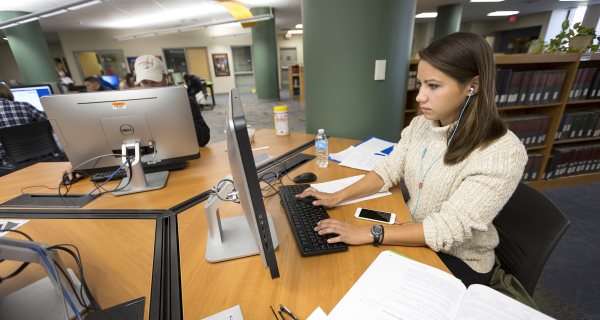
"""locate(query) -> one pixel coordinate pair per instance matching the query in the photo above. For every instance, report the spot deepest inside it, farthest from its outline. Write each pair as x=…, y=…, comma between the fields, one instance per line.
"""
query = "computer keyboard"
x=148, y=168
x=303, y=217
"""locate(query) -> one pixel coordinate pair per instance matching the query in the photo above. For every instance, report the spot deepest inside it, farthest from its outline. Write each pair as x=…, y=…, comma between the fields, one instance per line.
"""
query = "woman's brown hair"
x=463, y=56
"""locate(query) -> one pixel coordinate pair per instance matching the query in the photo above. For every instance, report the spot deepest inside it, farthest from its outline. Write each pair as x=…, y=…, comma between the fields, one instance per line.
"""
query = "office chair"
x=529, y=227
x=28, y=144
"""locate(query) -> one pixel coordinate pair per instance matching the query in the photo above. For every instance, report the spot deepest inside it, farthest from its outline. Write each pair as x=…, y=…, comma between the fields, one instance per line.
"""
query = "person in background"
x=127, y=83
x=459, y=162
x=150, y=72
x=196, y=85
x=92, y=84
x=15, y=113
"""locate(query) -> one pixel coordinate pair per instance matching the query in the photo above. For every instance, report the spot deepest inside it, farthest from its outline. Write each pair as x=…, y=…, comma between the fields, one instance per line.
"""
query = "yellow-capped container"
x=282, y=127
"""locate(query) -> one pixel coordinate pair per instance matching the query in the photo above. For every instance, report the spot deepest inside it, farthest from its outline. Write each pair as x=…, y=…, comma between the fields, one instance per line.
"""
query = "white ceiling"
x=128, y=14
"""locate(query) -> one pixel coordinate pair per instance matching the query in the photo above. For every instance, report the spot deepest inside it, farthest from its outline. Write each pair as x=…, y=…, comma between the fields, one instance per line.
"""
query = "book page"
x=481, y=302
x=395, y=287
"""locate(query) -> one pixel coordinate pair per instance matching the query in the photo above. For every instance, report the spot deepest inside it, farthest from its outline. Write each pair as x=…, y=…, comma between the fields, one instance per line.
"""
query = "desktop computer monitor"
x=245, y=178
x=32, y=94
x=93, y=124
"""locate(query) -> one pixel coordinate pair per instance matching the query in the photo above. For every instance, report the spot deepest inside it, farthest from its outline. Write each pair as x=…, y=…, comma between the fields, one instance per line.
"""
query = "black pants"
x=462, y=270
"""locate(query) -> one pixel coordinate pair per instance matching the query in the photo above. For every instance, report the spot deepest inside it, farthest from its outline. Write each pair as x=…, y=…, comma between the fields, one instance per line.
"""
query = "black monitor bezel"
x=236, y=113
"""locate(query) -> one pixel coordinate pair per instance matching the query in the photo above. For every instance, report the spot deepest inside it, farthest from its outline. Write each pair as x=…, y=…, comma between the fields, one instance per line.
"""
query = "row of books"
x=533, y=166
x=574, y=160
x=579, y=124
x=412, y=80
x=531, y=129
x=586, y=84
x=528, y=87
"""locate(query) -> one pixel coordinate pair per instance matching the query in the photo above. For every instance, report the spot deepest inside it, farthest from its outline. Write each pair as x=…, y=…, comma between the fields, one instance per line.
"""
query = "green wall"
x=264, y=51
x=30, y=50
x=342, y=40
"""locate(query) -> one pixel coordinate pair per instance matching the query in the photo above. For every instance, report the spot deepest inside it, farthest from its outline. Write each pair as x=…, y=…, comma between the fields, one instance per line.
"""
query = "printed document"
x=337, y=185
x=395, y=287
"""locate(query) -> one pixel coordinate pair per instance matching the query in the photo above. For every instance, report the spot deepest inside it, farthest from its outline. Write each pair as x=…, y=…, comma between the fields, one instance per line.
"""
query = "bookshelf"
x=296, y=81
x=550, y=66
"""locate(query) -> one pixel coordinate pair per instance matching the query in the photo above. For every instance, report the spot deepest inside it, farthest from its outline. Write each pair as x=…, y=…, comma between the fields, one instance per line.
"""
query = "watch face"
x=376, y=229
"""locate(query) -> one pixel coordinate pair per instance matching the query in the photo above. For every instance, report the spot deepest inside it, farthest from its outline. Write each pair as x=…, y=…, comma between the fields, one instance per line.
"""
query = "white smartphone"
x=374, y=215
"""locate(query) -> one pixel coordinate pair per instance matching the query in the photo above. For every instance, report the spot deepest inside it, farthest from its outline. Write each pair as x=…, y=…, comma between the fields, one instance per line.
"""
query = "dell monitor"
x=32, y=94
x=154, y=124
x=253, y=232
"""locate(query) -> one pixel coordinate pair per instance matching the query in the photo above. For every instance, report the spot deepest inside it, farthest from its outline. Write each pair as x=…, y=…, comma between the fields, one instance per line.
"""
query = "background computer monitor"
x=32, y=94
x=97, y=123
x=246, y=182
x=112, y=79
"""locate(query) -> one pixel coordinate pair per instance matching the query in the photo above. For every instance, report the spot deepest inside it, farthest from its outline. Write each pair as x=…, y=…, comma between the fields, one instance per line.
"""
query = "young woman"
x=459, y=162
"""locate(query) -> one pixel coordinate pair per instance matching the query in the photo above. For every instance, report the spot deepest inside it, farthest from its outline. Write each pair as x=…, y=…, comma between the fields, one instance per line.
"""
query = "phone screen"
x=375, y=215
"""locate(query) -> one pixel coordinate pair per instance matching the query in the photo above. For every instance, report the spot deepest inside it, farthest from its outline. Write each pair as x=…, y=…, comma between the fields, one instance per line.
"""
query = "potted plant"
x=579, y=38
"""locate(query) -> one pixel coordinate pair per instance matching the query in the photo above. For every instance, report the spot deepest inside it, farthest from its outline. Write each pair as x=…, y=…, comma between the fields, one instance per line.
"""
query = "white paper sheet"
x=337, y=185
x=318, y=314
x=11, y=225
x=395, y=287
x=362, y=161
x=374, y=145
x=233, y=313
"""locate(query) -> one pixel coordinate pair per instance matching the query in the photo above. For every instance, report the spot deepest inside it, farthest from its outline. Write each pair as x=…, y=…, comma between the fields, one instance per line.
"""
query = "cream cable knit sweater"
x=457, y=203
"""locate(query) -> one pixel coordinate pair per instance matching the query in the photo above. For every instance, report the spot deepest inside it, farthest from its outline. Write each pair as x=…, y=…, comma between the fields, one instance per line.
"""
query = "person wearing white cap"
x=151, y=72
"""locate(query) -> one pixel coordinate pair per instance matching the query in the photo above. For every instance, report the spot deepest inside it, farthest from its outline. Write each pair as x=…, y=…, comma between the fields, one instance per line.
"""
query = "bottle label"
x=321, y=145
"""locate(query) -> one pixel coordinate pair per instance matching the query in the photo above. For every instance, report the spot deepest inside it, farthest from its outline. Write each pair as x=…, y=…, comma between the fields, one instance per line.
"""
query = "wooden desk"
x=305, y=282
x=118, y=256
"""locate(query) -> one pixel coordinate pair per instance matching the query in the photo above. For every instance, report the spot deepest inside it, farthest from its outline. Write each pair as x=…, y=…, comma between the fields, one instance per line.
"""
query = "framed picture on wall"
x=221, y=64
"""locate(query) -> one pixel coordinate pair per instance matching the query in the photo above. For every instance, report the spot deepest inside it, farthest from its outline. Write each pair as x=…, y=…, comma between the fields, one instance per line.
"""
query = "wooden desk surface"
x=118, y=254
x=305, y=282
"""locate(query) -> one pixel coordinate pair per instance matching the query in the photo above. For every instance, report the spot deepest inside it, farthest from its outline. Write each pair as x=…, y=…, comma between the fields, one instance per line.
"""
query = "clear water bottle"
x=322, y=147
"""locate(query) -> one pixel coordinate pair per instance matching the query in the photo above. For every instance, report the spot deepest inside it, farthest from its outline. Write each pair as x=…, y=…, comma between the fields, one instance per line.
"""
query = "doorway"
x=105, y=62
x=287, y=57
x=243, y=68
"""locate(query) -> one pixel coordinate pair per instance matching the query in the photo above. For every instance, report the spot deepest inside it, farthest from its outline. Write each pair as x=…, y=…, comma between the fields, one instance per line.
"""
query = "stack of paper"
x=337, y=185
x=364, y=155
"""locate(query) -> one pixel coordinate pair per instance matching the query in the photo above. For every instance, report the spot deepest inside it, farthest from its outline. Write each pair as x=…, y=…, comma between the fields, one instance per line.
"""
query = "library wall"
x=211, y=38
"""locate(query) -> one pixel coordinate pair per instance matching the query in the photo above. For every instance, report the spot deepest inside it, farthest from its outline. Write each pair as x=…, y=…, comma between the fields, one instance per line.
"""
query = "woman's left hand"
x=347, y=232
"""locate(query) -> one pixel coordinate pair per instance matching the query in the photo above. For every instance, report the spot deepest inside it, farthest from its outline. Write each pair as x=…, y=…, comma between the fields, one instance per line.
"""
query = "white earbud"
x=471, y=91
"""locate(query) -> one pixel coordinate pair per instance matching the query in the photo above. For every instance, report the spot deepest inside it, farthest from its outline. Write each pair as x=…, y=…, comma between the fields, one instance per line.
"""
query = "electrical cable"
x=56, y=276
x=24, y=264
x=76, y=255
x=128, y=161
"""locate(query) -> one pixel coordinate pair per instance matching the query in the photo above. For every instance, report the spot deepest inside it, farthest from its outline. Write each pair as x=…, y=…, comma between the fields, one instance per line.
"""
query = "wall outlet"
x=380, y=69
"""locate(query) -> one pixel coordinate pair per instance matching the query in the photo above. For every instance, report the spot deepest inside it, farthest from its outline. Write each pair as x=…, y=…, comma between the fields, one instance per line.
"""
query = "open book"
x=395, y=287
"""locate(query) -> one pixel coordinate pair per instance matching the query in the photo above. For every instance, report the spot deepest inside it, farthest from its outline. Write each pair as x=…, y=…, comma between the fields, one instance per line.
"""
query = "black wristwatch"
x=377, y=233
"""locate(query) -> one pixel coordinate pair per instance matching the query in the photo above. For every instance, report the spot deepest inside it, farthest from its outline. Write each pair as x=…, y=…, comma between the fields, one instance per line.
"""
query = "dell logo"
x=126, y=130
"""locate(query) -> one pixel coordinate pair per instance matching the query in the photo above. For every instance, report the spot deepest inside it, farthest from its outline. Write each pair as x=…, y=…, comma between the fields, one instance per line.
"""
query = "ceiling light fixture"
x=502, y=13
x=262, y=17
x=47, y=13
x=426, y=15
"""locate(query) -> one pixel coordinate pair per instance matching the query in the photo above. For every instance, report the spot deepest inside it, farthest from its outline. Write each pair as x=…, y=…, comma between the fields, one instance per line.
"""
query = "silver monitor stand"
x=230, y=238
x=140, y=182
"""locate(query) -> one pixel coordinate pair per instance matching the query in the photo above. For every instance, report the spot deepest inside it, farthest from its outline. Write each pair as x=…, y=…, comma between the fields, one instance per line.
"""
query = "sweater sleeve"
x=391, y=168
x=489, y=179
x=202, y=129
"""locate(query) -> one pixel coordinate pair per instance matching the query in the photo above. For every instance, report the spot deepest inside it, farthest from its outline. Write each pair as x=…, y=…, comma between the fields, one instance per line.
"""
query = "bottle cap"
x=321, y=131
x=280, y=108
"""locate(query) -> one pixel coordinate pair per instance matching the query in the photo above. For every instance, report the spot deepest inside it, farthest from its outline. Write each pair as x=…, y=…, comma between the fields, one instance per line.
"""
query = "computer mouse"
x=305, y=177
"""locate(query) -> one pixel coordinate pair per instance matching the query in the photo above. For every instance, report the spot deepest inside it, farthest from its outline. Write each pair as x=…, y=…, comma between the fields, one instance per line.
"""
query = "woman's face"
x=440, y=96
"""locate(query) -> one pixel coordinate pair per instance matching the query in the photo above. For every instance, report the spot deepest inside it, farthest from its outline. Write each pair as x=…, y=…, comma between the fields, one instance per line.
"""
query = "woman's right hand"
x=325, y=199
